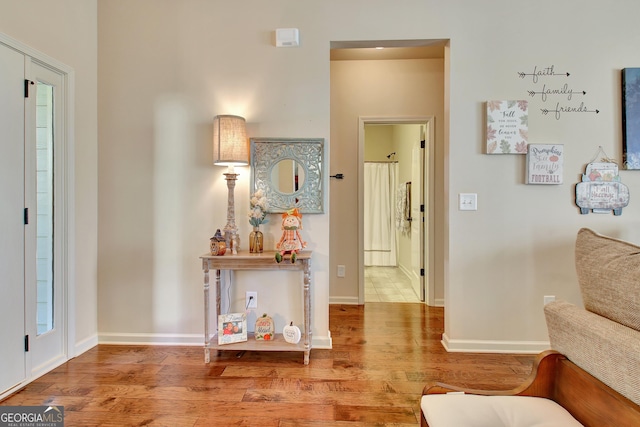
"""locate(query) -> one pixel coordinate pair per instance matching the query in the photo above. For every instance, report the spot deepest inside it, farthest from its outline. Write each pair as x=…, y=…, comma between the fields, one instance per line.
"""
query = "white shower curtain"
x=379, y=214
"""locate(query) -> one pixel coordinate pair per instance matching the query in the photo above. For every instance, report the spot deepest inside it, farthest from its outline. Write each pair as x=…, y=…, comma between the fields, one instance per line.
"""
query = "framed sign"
x=507, y=127
x=544, y=163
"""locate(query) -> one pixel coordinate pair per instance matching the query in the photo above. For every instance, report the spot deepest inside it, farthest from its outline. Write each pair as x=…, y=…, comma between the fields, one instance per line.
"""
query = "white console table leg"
x=307, y=311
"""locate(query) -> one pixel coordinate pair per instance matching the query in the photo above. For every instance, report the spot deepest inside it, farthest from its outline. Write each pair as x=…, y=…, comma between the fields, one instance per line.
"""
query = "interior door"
x=12, y=329
x=417, y=216
x=45, y=293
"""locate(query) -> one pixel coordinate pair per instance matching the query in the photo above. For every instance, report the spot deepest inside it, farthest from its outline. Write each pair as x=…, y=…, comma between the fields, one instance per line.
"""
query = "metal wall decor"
x=289, y=172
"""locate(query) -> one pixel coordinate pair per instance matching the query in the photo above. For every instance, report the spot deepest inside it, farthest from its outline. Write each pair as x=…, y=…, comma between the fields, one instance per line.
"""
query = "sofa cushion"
x=449, y=410
x=609, y=276
x=607, y=350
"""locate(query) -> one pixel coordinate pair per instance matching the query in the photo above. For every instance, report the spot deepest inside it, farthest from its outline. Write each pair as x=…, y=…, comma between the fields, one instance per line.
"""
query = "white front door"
x=12, y=329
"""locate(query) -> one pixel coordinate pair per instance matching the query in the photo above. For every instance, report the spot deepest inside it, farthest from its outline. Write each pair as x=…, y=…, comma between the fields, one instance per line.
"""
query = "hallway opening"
x=404, y=83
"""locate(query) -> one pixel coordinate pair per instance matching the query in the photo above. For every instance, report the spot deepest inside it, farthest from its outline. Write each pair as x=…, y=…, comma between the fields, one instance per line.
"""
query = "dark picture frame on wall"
x=631, y=118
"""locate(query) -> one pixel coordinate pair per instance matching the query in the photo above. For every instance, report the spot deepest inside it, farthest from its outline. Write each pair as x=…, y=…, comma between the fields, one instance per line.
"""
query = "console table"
x=264, y=261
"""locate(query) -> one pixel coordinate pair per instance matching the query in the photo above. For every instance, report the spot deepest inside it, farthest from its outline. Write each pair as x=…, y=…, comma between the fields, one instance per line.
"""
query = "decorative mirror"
x=289, y=173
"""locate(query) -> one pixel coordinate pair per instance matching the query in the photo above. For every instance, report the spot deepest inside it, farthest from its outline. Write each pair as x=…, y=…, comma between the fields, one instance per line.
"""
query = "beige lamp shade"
x=230, y=145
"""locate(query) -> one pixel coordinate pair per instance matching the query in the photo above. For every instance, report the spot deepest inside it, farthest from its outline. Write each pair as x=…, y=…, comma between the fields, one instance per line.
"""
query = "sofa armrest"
x=556, y=378
x=539, y=383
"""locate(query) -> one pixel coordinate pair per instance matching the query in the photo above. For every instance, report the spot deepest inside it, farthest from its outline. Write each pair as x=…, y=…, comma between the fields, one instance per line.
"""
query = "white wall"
x=167, y=67
x=378, y=142
x=518, y=246
x=66, y=30
x=500, y=261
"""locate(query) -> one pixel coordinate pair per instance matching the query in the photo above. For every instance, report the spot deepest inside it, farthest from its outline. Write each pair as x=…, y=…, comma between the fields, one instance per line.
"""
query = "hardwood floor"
x=383, y=354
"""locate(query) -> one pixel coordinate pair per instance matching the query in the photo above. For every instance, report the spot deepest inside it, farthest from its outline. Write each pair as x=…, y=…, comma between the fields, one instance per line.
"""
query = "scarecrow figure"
x=291, y=241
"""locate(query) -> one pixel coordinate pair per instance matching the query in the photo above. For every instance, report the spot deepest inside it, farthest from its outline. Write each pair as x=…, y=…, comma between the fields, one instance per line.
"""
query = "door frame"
x=428, y=288
x=65, y=149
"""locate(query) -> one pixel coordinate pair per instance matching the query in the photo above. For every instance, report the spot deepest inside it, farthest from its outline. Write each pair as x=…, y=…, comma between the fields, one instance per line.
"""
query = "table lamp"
x=230, y=148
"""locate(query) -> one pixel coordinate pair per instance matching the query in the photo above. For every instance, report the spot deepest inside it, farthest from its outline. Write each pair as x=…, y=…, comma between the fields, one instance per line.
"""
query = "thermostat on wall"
x=287, y=37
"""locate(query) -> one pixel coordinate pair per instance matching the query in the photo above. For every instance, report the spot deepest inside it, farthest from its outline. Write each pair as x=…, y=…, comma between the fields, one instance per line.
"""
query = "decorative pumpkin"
x=291, y=240
x=291, y=334
x=264, y=328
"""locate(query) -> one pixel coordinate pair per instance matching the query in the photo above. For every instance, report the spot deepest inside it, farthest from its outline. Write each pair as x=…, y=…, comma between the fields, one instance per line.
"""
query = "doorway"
x=402, y=81
x=395, y=246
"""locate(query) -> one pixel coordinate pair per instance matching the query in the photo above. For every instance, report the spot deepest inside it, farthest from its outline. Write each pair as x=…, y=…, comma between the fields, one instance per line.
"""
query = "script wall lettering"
x=551, y=88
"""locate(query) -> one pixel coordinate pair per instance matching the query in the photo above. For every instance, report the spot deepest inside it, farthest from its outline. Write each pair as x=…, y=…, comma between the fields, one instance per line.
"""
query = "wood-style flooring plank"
x=383, y=354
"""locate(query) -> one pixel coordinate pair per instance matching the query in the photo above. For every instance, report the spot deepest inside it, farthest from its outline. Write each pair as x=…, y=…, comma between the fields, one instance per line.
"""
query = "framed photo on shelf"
x=232, y=328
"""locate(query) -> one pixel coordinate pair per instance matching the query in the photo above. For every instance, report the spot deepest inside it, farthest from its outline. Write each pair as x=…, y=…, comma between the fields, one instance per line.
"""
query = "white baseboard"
x=321, y=342
x=439, y=302
x=84, y=345
x=406, y=272
x=354, y=301
x=344, y=300
x=150, y=339
x=325, y=343
x=487, y=346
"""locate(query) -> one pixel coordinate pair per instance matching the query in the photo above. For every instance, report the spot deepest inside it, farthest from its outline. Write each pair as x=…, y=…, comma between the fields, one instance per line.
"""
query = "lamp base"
x=230, y=230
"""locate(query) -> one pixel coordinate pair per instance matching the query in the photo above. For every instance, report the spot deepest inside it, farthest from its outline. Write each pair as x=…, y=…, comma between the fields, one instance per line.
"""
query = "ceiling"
x=391, y=49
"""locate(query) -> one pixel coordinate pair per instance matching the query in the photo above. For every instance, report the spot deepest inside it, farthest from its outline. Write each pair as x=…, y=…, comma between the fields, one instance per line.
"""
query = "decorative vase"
x=256, y=241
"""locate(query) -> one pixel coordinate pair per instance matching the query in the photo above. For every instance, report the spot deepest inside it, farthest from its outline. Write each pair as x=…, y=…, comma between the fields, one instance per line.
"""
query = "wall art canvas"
x=631, y=118
x=544, y=163
x=507, y=127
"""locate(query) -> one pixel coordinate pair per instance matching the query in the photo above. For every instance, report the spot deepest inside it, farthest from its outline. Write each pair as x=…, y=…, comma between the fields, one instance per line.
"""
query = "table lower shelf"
x=278, y=343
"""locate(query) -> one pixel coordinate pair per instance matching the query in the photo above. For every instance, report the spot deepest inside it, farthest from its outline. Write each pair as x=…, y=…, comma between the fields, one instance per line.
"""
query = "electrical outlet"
x=549, y=298
x=252, y=300
x=341, y=271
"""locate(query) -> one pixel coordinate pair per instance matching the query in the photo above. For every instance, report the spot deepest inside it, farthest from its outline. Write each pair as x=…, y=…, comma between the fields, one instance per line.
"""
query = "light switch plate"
x=468, y=201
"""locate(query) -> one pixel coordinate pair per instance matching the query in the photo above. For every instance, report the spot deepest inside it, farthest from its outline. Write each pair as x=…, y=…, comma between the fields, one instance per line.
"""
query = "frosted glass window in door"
x=44, y=207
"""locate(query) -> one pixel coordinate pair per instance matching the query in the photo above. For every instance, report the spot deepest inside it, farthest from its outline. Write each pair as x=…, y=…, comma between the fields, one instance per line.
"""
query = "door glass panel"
x=44, y=207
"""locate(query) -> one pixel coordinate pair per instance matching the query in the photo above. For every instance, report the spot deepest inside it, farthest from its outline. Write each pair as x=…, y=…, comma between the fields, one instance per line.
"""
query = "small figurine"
x=291, y=240
x=217, y=244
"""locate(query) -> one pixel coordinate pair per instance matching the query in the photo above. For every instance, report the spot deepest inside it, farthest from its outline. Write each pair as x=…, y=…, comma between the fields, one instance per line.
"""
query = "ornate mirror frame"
x=308, y=154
